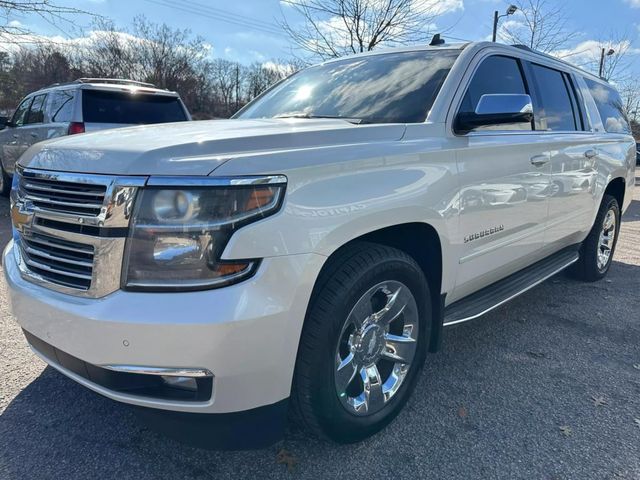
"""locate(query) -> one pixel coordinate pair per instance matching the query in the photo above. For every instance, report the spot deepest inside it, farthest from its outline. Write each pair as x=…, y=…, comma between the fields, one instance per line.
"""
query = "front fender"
x=327, y=206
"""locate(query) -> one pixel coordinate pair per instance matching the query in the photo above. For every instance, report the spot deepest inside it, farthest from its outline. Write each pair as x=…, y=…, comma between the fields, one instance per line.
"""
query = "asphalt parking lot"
x=546, y=387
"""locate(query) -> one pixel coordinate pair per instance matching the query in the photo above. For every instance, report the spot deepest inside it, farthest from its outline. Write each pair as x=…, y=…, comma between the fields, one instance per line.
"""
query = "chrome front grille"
x=70, y=229
x=60, y=261
x=62, y=196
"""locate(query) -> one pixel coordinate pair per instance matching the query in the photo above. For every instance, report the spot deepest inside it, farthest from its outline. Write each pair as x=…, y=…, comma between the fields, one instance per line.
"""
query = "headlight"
x=178, y=234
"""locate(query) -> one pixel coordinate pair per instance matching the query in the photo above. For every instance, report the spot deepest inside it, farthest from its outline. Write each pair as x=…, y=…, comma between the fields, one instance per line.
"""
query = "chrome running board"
x=499, y=293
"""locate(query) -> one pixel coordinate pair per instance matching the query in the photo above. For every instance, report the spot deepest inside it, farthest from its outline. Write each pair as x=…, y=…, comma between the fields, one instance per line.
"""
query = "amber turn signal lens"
x=230, y=268
x=259, y=198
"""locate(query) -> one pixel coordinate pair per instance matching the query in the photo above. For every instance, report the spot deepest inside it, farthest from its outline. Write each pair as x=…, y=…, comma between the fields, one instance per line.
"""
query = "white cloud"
x=11, y=42
x=634, y=3
x=15, y=24
x=588, y=52
x=283, y=69
x=334, y=28
x=259, y=56
x=440, y=7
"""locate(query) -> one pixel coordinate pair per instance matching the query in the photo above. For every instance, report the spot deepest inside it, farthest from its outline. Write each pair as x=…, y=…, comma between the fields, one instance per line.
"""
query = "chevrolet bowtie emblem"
x=22, y=215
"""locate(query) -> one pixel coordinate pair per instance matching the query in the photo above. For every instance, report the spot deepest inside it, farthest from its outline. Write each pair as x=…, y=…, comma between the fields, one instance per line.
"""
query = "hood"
x=194, y=148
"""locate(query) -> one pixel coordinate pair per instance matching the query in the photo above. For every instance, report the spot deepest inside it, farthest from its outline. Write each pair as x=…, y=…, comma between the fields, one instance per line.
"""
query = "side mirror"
x=4, y=121
x=496, y=109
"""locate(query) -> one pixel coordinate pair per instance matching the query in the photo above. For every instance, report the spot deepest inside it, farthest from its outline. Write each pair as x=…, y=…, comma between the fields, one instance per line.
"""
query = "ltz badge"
x=484, y=233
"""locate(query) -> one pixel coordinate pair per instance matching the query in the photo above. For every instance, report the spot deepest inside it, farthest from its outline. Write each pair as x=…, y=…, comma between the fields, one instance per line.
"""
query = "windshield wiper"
x=356, y=121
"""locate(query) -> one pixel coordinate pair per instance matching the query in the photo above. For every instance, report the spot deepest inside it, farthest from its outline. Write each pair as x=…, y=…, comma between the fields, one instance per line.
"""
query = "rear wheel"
x=363, y=343
x=596, y=252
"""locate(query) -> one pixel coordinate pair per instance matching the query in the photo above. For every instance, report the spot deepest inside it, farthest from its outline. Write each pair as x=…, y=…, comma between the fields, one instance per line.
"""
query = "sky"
x=248, y=30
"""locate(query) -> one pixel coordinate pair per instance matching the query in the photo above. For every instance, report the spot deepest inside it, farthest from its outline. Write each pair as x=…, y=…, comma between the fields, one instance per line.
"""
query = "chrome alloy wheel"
x=607, y=237
x=376, y=348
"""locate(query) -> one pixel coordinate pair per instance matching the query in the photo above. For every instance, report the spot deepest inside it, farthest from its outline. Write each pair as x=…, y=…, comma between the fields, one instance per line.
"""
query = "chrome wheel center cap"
x=376, y=347
x=368, y=344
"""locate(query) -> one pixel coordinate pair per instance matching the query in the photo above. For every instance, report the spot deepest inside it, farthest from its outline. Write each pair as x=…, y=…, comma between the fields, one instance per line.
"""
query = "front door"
x=12, y=139
x=505, y=178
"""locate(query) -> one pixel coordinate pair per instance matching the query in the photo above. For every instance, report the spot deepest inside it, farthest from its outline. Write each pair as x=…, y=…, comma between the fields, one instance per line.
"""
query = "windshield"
x=389, y=88
x=102, y=106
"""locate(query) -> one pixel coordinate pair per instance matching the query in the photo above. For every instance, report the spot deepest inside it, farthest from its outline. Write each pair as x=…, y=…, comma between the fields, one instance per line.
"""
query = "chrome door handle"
x=539, y=160
x=590, y=153
x=34, y=135
x=15, y=135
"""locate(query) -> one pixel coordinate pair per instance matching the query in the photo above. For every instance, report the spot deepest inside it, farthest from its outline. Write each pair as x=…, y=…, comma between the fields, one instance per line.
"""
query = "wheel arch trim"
x=397, y=236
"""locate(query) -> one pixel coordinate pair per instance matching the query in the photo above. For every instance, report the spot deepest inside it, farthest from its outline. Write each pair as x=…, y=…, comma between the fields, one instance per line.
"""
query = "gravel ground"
x=546, y=387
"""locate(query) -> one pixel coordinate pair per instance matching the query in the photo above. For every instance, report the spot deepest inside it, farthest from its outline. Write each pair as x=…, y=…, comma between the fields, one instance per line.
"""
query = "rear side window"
x=610, y=107
x=496, y=74
x=61, y=106
x=555, y=109
x=130, y=108
x=36, y=112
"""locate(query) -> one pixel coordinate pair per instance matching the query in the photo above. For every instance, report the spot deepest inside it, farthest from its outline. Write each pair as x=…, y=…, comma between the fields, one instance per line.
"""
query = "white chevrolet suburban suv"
x=304, y=256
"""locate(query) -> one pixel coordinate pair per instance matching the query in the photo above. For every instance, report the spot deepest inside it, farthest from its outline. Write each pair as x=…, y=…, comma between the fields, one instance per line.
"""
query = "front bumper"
x=245, y=334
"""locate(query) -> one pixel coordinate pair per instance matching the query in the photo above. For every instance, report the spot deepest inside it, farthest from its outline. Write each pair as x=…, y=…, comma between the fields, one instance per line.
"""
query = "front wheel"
x=363, y=343
x=596, y=252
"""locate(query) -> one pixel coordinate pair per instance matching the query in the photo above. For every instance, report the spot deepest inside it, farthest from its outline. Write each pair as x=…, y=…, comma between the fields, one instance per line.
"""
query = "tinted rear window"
x=124, y=107
x=609, y=106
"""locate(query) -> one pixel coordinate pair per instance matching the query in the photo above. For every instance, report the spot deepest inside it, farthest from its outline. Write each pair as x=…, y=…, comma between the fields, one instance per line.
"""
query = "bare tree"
x=59, y=16
x=156, y=53
x=538, y=24
x=261, y=75
x=107, y=53
x=225, y=83
x=332, y=28
x=615, y=66
x=630, y=93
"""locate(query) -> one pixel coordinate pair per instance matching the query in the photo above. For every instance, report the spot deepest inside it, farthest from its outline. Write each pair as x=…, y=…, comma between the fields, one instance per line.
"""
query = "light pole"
x=610, y=52
x=510, y=11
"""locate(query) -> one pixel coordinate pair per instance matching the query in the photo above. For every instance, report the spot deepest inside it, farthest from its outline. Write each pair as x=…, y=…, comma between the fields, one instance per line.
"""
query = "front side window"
x=610, y=107
x=554, y=109
x=102, y=106
x=495, y=75
x=61, y=106
x=36, y=112
x=20, y=114
x=387, y=88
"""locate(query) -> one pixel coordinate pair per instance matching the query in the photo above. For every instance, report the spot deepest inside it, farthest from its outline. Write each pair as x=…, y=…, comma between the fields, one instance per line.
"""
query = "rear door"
x=34, y=129
x=561, y=121
x=111, y=108
x=504, y=176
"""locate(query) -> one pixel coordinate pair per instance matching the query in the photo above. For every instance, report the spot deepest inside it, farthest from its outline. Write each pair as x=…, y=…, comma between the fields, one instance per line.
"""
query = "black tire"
x=5, y=182
x=587, y=267
x=352, y=273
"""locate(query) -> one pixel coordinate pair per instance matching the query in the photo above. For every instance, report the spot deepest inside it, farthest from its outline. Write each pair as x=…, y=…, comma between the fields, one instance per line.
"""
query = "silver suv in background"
x=85, y=105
